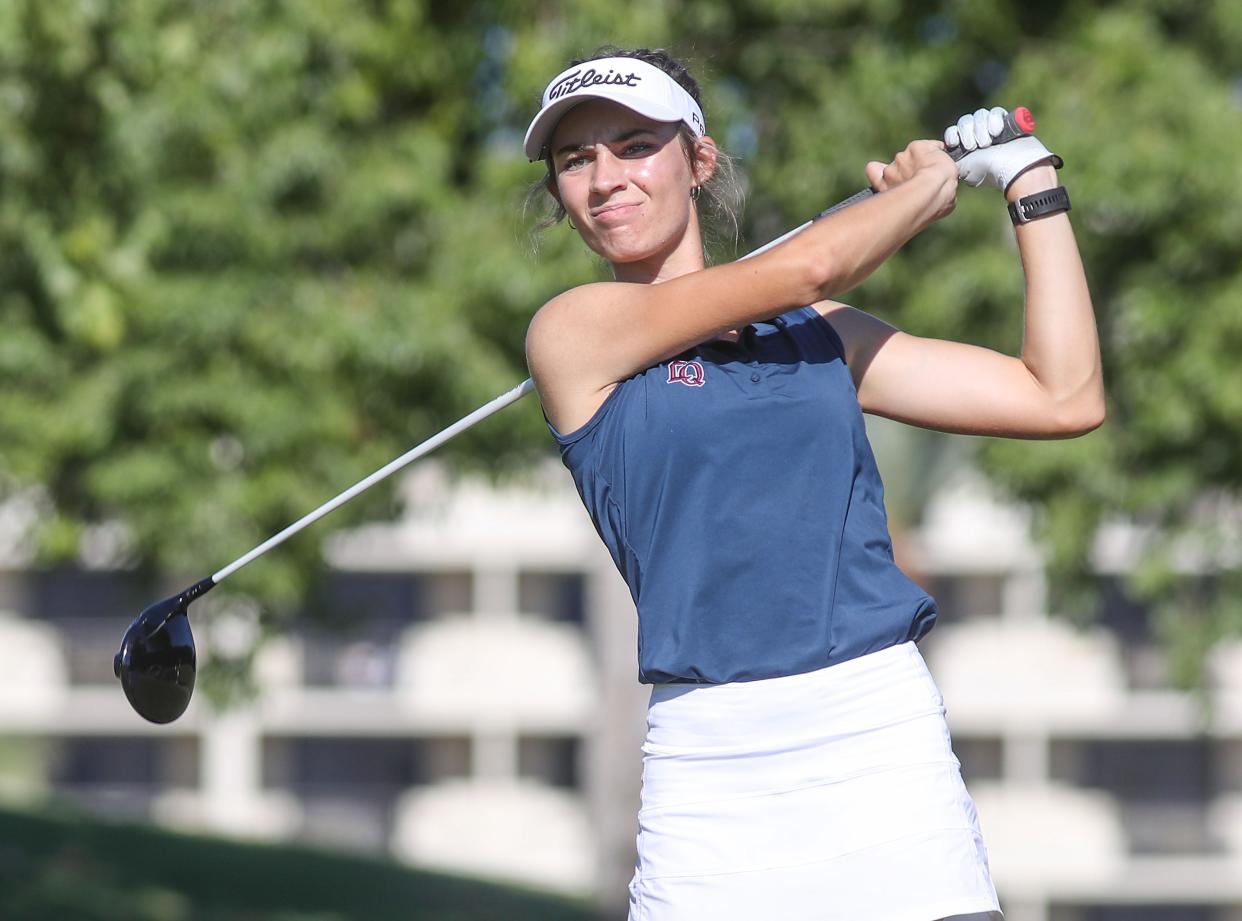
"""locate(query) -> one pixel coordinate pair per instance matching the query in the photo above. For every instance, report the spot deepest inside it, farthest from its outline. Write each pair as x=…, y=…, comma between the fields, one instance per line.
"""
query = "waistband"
x=890, y=685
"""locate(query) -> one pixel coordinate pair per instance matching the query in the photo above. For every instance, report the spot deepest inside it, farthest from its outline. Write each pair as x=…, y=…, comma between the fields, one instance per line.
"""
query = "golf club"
x=157, y=664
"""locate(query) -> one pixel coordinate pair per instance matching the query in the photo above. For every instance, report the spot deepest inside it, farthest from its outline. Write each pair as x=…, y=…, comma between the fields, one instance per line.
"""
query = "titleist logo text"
x=581, y=79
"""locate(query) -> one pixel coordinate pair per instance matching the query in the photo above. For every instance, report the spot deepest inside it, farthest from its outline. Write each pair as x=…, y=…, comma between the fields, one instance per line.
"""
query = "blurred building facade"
x=469, y=702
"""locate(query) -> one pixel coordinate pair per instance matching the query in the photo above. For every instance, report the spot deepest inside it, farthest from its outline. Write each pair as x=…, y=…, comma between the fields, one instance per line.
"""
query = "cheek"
x=668, y=169
x=665, y=180
x=574, y=196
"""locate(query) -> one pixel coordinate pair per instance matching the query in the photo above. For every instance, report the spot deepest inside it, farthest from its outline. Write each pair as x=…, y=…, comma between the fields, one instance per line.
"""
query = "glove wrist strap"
x=1041, y=204
x=1052, y=159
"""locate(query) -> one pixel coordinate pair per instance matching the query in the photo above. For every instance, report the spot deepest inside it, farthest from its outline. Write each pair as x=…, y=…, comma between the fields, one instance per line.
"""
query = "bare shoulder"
x=562, y=346
x=567, y=309
x=562, y=329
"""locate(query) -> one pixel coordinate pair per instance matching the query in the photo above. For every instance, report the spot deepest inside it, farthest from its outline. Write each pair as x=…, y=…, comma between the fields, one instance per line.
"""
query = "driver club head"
x=156, y=662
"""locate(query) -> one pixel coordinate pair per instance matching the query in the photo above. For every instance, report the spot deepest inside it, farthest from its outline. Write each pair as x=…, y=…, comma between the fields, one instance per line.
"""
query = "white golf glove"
x=993, y=165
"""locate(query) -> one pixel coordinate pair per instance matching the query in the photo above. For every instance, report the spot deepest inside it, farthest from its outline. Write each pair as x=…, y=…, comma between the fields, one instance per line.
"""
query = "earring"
x=570, y=221
x=694, y=192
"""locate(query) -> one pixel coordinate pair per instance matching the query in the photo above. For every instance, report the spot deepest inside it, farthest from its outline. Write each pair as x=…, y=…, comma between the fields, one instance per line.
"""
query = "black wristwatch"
x=1041, y=204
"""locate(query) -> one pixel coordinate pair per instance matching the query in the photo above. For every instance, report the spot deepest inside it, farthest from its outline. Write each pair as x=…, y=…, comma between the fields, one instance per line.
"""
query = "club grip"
x=852, y=200
x=1018, y=123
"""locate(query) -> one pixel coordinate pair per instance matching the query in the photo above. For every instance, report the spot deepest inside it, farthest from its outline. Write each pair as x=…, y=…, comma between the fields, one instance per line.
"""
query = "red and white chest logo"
x=689, y=373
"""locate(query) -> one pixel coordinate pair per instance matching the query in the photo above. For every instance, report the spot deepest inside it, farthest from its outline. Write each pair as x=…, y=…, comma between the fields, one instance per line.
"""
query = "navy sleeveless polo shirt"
x=737, y=493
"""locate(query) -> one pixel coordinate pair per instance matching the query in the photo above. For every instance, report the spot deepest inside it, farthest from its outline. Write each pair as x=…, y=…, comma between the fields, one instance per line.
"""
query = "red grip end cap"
x=1024, y=119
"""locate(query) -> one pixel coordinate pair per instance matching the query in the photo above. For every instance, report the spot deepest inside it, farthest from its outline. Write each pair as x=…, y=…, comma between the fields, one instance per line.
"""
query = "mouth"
x=613, y=213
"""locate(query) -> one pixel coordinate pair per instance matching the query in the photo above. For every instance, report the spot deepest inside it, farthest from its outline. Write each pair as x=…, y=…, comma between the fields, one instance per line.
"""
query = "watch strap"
x=1040, y=204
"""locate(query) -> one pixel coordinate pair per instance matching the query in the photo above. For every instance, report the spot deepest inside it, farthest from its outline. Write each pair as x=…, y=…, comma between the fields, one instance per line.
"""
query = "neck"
x=679, y=257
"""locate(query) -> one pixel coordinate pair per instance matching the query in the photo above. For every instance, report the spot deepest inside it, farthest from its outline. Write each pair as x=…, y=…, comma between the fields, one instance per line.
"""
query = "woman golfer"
x=797, y=763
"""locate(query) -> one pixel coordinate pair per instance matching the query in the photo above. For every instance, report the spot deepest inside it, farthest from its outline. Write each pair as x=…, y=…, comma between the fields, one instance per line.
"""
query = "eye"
x=573, y=162
x=638, y=147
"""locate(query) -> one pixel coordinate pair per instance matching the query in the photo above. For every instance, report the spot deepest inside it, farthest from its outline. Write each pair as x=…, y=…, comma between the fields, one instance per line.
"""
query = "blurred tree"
x=250, y=251
x=246, y=256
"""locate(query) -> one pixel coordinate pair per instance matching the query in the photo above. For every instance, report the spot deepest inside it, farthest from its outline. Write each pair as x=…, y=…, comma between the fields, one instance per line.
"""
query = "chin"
x=620, y=251
x=624, y=251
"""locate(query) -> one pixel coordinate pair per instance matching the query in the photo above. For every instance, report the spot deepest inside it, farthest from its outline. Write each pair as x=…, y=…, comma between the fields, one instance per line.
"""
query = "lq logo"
x=689, y=373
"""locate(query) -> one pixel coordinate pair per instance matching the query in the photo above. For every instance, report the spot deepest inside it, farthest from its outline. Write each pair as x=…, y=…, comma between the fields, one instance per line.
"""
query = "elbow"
x=824, y=264
x=824, y=276
x=815, y=276
x=1078, y=419
x=817, y=265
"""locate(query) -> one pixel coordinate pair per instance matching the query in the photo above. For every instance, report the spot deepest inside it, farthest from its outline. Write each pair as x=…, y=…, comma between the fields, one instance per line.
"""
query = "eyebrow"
x=616, y=139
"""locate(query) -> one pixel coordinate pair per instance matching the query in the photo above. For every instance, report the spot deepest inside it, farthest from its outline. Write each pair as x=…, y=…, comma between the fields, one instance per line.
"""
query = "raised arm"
x=584, y=341
x=1053, y=389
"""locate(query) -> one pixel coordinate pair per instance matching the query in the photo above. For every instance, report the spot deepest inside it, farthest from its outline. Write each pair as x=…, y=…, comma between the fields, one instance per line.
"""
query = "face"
x=625, y=181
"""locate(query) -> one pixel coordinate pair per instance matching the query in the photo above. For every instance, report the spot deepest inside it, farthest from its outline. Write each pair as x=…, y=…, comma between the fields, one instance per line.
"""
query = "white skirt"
x=832, y=795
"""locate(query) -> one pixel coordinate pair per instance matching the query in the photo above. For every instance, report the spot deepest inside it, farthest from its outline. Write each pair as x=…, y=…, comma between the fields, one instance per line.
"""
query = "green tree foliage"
x=250, y=250
x=245, y=259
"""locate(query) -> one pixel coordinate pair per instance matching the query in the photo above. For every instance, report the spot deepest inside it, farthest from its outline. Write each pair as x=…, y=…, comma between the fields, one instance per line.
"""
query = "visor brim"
x=544, y=124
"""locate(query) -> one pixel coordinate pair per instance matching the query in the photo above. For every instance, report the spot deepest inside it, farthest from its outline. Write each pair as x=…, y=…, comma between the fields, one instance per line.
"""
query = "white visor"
x=635, y=84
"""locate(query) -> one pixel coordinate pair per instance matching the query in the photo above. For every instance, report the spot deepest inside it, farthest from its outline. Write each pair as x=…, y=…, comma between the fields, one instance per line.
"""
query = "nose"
x=607, y=173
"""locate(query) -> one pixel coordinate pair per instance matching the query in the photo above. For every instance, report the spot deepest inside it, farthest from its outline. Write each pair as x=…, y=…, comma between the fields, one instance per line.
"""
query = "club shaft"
x=384, y=472
x=453, y=430
x=844, y=203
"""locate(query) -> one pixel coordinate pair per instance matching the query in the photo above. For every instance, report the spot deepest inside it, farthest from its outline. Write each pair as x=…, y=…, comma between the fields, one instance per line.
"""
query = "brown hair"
x=720, y=201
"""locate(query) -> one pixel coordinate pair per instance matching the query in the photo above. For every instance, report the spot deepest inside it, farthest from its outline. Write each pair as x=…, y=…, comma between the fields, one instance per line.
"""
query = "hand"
x=996, y=166
x=921, y=159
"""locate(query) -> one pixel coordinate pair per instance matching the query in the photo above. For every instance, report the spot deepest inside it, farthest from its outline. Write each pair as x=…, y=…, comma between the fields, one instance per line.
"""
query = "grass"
x=63, y=865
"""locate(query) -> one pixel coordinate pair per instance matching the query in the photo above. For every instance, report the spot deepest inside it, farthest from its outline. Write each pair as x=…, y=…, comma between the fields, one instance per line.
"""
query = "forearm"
x=832, y=255
x=1060, y=343
x=840, y=251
